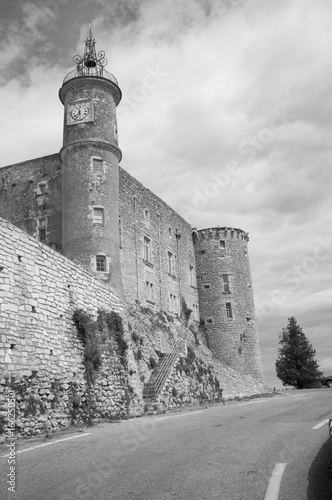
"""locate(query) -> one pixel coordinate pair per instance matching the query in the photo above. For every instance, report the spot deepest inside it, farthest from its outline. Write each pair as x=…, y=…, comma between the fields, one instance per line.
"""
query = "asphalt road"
x=239, y=451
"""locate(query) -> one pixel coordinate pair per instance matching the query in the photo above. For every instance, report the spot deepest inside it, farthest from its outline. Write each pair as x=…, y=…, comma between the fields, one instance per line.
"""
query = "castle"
x=107, y=225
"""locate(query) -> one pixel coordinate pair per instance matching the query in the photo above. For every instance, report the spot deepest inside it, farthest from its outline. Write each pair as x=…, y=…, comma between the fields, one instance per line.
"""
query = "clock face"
x=79, y=112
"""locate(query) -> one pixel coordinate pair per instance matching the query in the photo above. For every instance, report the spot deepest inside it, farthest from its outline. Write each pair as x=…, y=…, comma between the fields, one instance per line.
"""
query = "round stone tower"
x=226, y=300
x=90, y=173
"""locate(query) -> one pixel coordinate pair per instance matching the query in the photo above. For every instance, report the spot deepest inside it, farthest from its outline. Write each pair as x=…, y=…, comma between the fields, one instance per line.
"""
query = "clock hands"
x=79, y=112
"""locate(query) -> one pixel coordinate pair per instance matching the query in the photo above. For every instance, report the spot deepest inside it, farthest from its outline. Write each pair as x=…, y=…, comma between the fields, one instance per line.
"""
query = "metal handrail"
x=94, y=72
x=165, y=368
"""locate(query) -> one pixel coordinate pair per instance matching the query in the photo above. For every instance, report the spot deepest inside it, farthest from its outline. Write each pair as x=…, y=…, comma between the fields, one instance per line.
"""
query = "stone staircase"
x=161, y=373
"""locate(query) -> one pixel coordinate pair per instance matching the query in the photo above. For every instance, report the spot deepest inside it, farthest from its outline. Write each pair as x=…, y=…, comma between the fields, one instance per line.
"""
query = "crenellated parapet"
x=219, y=233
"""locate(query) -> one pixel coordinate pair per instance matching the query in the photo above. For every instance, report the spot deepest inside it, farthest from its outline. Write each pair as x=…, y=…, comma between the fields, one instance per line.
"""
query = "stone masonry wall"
x=23, y=205
x=40, y=289
x=30, y=190
x=41, y=356
x=146, y=218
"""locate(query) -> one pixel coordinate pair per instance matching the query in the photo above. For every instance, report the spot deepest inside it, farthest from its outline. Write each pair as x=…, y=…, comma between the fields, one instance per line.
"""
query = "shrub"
x=161, y=316
x=135, y=337
x=191, y=356
x=138, y=355
x=153, y=363
x=33, y=404
x=186, y=312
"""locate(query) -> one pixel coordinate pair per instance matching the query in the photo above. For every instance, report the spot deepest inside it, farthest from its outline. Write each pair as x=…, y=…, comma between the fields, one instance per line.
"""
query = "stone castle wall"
x=226, y=297
x=31, y=190
x=23, y=205
x=146, y=219
x=39, y=291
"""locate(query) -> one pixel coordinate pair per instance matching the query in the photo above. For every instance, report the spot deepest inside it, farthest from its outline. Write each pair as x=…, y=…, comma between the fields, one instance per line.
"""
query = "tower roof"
x=91, y=64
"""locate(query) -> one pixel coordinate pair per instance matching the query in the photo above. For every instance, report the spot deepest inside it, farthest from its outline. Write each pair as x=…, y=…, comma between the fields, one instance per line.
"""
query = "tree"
x=296, y=364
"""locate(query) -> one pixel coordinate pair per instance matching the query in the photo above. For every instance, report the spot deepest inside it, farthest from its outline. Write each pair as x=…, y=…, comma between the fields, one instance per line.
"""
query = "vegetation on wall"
x=185, y=311
x=96, y=335
x=88, y=334
x=112, y=323
x=107, y=327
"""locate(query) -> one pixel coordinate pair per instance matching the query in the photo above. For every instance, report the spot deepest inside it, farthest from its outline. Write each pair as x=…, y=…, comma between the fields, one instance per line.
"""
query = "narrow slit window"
x=146, y=214
x=149, y=291
x=147, y=249
x=120, y=232
x=173, y=302
x=171, y=263
x=192, y=275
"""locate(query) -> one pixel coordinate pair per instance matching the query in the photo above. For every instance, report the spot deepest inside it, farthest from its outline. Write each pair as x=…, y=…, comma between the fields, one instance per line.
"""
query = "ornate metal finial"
x=90, y=64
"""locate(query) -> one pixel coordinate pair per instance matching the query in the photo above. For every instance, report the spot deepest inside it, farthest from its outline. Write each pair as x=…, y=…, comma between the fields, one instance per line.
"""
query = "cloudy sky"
x=226, y=115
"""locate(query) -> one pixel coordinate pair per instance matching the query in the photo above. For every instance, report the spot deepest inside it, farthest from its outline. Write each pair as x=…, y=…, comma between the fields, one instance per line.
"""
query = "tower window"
x=171, y=263
x=222, y=247
x=98, y=216
x=229, y=312
x=98, y=166
x=225, y=280
x=42, y=187
x=42, y=226
x=147, y=249
x=101, y=263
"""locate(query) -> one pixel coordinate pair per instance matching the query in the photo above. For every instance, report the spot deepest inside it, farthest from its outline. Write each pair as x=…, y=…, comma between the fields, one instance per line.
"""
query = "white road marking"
x=255, y=402
x=272, y=492
x=48, y=444
x=182, y=415
x=321, y=424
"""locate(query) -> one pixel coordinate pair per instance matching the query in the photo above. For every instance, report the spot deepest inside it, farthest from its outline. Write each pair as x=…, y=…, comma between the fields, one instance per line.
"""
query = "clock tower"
x=90, y=156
